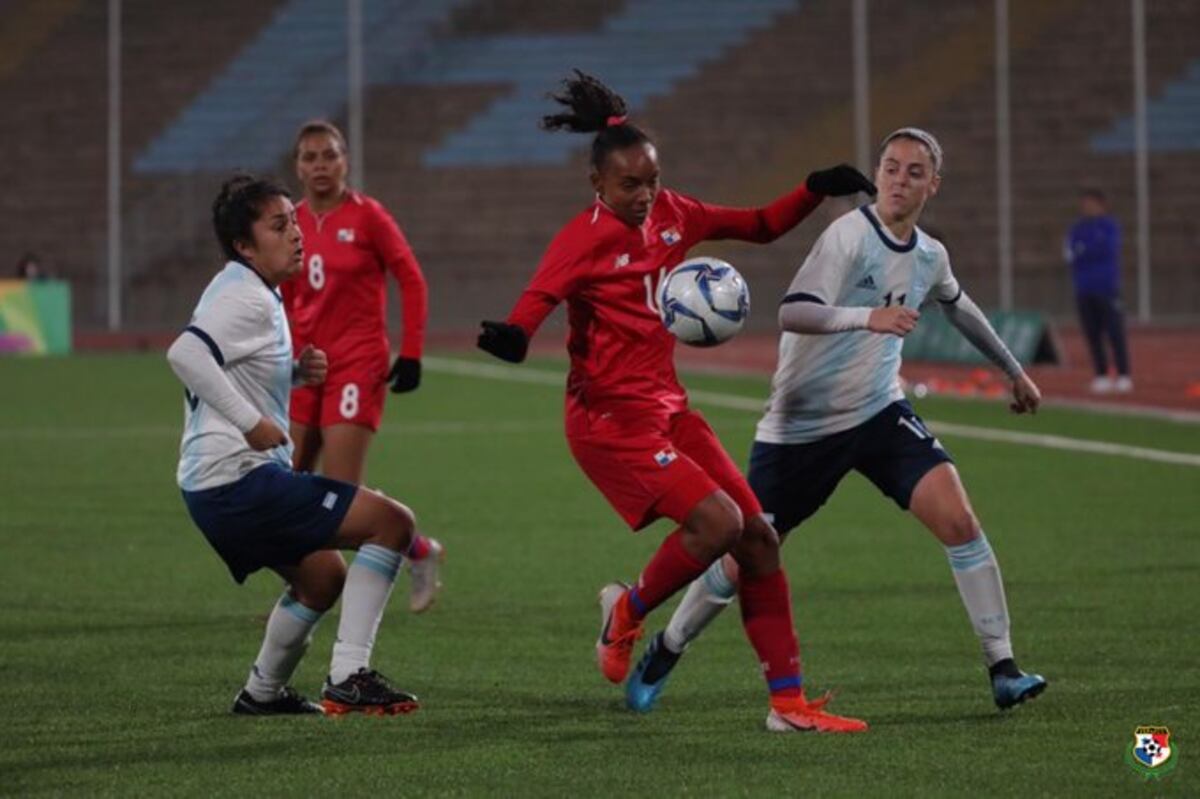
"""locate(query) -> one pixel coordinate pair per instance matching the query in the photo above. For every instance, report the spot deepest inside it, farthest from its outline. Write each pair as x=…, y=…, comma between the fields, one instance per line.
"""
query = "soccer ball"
x=703, y=302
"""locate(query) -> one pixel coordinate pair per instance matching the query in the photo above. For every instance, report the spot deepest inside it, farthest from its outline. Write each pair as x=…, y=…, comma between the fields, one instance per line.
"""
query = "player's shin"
x=289, y=632
x=979, y=584
x=767, y=617
x=369, y=582
x=671, y=568
x=704, y=600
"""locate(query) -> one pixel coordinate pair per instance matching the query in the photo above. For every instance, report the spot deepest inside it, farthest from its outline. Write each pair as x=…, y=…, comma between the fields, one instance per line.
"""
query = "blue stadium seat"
x=1173, y=119
x=296, y=69
x=644, y=51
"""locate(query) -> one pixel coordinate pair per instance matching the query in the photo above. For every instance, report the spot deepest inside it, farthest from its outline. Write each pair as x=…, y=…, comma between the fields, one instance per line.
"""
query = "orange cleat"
x=619, y=631
x=797, y=714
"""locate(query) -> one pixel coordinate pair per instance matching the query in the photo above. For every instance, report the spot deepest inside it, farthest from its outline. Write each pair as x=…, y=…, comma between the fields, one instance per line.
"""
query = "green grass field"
x=123, y=640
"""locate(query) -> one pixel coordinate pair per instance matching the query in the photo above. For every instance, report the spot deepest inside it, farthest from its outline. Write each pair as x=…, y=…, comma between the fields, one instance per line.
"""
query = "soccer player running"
x=235, y=469
x=339, y=305
x=627, y=417
x=836, y=405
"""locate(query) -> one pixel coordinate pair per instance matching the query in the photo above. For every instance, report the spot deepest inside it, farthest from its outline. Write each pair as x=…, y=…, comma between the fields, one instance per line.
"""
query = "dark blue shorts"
x=893, y=449
x=271, y=517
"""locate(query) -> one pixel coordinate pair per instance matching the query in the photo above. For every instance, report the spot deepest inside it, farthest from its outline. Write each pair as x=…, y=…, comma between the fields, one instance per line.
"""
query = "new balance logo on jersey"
x=345, y=234
x=665, y=457
x=867, y=282
x=622, y=260
x=671, y=237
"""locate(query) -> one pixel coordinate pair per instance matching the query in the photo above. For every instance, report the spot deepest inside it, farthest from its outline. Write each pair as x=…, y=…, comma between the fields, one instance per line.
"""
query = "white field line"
x=741, y=403
x=404, y=429
x=558, y=380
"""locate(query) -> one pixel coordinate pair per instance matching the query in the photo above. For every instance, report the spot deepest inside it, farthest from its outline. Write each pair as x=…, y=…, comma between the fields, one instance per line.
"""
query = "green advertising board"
x=1026, y=333
x=35, y=317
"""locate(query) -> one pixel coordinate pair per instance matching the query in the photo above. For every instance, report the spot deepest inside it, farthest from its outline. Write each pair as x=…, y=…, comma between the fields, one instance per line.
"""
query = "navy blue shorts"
x=271, y=517
x=893, y=449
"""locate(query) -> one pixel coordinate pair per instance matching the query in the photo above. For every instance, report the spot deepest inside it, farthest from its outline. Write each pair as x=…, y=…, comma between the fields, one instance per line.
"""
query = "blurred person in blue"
x=1093, y=249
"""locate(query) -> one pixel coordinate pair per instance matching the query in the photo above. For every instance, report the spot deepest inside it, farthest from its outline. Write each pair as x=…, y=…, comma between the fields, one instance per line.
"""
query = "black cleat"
x=289, y=703
x=366, y=692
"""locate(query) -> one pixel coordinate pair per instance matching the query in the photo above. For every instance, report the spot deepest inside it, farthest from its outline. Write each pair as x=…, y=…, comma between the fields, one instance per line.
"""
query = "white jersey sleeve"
x=233, y=323
x=945, y=286
x=241, y=321
x=824, y=272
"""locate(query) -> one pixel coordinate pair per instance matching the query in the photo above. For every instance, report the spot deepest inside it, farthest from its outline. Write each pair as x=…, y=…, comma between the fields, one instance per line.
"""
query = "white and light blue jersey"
x=825, y=384
x=242, y=321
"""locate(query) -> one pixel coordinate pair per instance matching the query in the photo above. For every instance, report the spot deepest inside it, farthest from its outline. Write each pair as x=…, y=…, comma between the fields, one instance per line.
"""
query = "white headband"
x=923, y=136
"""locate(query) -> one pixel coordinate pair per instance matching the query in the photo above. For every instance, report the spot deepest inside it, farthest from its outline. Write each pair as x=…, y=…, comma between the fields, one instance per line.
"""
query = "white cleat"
x=424, y=575
x=1123, y=385
x=1102, y=384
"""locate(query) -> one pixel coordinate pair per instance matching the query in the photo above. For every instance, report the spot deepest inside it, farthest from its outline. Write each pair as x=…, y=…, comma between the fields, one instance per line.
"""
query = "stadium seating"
x=743, y=103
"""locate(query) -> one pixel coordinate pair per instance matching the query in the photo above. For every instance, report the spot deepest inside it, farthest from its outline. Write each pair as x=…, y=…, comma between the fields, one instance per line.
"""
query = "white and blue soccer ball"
x=703, y=302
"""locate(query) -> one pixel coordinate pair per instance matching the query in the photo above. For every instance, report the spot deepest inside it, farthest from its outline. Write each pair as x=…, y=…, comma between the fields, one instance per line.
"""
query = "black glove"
x=405, y=374
x=507, y=342
x=838, y=181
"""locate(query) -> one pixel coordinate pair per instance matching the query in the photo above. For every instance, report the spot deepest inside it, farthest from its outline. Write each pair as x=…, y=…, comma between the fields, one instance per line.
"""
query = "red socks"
x=670, y=569
x=418, y=549
x=767, y=616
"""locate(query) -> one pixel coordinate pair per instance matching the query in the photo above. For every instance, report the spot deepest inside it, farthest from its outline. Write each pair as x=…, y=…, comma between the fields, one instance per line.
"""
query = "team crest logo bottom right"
x=1151, y=753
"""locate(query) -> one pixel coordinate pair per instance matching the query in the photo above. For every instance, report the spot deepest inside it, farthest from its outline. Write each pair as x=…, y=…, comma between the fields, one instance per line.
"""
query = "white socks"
x=289, y=631
x=978, y=577
x=706, y=597
x=368, y=586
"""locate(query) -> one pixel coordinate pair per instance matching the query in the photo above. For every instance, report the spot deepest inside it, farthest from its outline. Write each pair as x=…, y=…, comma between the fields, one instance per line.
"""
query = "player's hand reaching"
x=1026, y=396
x=507, y=342
x=895, y=319
x=265, y=435
x=838, y=181
x=312, y=366
x=405, y=374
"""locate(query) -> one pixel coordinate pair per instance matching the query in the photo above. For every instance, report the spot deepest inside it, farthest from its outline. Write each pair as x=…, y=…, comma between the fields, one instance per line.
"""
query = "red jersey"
x=608, y=272
x=339, y=302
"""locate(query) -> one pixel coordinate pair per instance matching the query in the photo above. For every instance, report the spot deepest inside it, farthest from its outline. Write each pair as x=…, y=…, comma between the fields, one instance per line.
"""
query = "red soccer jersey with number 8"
x=338, y=303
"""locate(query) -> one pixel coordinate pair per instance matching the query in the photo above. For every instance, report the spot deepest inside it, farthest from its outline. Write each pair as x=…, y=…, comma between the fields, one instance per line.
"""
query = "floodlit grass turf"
x=123, y=640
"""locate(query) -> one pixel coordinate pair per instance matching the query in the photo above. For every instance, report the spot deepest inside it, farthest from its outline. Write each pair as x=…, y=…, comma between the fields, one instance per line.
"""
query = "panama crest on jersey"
x=671, y=236
x=346, y=234
x=665, y=457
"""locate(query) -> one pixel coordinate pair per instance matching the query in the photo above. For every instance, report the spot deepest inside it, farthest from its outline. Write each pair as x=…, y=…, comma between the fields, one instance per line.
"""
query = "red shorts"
x=648, y=468
x=352, y=395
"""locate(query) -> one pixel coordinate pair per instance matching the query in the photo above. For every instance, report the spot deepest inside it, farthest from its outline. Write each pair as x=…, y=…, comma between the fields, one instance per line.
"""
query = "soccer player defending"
x=627, y=417
x=235, y=469
x=339, y=305
x=836, y=405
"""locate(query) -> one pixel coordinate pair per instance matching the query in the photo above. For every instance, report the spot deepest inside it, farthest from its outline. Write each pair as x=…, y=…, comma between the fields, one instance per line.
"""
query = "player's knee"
x=960, y=528
x=729, y=528
x=398, y=525
x=761, y=535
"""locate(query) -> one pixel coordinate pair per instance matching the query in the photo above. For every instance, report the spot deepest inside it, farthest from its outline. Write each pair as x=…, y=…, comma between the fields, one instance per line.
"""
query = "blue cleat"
x=649, y=677
x=1010, y=690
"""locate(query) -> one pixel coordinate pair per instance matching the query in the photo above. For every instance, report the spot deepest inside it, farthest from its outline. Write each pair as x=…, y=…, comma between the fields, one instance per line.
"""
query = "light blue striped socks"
x=368, y=585
x=979, y=584
x=705, y=598
x=289, y=632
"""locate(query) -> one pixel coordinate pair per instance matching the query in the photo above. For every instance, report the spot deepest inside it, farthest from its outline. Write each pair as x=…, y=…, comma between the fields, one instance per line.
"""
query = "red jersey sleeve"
x=392, y=248
x=760, y=225
x=557, y=276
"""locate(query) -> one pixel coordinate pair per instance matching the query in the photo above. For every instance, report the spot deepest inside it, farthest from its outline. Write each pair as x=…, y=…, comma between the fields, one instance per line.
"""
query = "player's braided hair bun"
x=594, y=108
